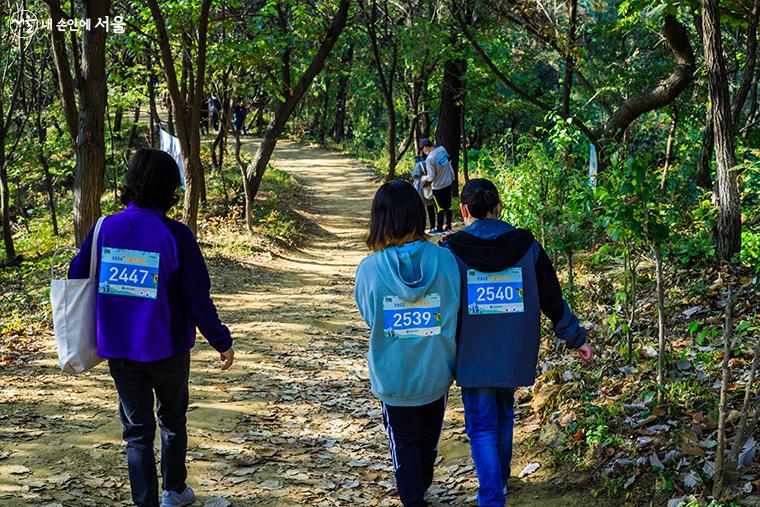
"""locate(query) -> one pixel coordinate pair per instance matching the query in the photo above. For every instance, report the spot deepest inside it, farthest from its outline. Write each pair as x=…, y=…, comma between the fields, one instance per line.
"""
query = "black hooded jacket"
x=500, y=348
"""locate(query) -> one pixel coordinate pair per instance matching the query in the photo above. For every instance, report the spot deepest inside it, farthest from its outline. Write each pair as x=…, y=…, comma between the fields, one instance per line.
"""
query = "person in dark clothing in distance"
x=238, y=118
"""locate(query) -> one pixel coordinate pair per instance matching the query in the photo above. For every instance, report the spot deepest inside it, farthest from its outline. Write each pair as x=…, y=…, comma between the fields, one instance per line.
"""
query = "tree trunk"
x=86, y=130
x=743, y=428
x=255, y=171
x=751, y=115
x=720, y=453
x=749, y=66
x=155, y=124
x=660, y=321
x=63, y=69
x=631, y=263
x=187, y=109
x=570, y=278
x=41, y=136
x=703, y=171
x=669, y=148
x=91, y=148
x=448, y=133
x=10, y=249
x=339, y=122
x=567, y=84
x=170, y=118
x=117, y=118
x=728, y=237
x=135, y=123
x=390, y=138
x=220, y=141
x=465, y=146
x=322, y=124
x=426, y=125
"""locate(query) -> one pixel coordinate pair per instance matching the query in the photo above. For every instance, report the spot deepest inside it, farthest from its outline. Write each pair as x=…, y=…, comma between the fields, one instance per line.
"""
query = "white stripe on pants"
x=389, y=429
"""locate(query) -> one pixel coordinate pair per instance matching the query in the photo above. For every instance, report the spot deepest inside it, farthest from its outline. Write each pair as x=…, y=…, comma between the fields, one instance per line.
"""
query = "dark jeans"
x=443, y=200
x=136, y=382
x=431, y=214
x=413, y=433
x=489, y=421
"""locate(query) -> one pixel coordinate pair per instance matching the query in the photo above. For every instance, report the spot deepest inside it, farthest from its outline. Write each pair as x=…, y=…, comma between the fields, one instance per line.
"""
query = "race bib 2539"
x=129, y=272
x=493, y=293
x=406, y=319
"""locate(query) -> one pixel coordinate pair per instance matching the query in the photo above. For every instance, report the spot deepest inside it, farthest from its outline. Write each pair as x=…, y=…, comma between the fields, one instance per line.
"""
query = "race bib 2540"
x=129, y=272
x=406, y=319
x=493, y=293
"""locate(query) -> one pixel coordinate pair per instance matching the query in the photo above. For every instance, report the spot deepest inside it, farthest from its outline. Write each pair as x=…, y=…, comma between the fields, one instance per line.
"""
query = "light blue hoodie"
x=409, y=297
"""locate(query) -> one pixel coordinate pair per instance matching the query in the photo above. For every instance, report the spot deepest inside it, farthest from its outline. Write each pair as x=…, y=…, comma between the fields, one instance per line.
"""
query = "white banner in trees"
x=592, y=165
x=170, y=145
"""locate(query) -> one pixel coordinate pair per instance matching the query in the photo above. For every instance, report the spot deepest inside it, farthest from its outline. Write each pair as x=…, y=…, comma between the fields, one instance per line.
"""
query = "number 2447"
x=122, y=276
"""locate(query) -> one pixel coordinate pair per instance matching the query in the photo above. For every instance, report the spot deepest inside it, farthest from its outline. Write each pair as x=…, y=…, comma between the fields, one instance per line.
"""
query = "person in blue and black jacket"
x=507, y=282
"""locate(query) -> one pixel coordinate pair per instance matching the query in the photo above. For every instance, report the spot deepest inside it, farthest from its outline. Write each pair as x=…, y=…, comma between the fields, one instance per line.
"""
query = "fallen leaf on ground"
x=528, y=469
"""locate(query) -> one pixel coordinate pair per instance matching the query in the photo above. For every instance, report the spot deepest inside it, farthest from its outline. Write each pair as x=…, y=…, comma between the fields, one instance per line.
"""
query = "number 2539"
x=412, y=318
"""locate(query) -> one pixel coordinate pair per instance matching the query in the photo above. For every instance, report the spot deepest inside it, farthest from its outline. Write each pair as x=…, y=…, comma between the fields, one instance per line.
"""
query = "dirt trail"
x=293, y=423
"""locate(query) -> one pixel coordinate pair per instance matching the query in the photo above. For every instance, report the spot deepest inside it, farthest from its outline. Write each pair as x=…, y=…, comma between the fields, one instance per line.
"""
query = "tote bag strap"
x=94, y=247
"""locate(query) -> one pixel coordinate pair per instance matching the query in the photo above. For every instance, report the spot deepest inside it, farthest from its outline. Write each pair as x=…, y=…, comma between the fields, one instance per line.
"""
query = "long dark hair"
x=398, y=216
x=152, y=180
x=481, y=197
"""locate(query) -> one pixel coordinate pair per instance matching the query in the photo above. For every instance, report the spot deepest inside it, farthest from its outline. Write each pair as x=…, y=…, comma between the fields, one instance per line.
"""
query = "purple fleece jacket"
x=153, y=290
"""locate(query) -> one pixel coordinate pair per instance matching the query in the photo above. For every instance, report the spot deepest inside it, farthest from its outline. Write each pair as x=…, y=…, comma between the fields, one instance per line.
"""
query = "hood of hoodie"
x=408, y=271
x=495, y=252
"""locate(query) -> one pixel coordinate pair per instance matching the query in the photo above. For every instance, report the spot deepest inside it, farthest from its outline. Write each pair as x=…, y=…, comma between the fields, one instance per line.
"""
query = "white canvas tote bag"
x=75, y=316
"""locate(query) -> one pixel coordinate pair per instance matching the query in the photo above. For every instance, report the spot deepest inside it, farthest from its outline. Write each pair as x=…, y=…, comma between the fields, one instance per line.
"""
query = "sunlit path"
x=293, y=423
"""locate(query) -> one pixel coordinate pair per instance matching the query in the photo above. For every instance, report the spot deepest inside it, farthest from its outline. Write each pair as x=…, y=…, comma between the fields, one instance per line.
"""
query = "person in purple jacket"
x=153, y=291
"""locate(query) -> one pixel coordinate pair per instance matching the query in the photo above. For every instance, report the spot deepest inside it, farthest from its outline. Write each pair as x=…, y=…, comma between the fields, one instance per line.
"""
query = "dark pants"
x=413, y=433
x=443, y=200
x=431, y=214
x=136, y=382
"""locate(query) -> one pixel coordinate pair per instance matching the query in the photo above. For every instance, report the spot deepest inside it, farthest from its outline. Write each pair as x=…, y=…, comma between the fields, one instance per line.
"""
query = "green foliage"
x=542, y=186
x=750, y=254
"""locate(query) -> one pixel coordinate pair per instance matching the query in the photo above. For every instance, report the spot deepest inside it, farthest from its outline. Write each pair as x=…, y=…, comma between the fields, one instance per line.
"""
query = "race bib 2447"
x=129, y=272
x=407, y=319
x=493, y=293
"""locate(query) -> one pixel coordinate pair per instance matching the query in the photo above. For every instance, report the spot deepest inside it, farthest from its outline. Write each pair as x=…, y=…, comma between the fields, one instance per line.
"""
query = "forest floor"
x=293, y=422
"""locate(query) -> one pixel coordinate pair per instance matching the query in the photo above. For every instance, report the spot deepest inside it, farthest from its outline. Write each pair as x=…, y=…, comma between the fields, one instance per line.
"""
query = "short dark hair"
x=397, y=217
x=152, y=180
x=481, y=197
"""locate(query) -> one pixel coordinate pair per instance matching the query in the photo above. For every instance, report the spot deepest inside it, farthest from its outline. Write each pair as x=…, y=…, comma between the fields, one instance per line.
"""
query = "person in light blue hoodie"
x=407, y=292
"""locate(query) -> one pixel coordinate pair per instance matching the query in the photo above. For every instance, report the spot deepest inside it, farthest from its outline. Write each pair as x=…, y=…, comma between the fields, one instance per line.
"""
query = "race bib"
x=129, y=272
x=492, y=293
x=405, y=319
